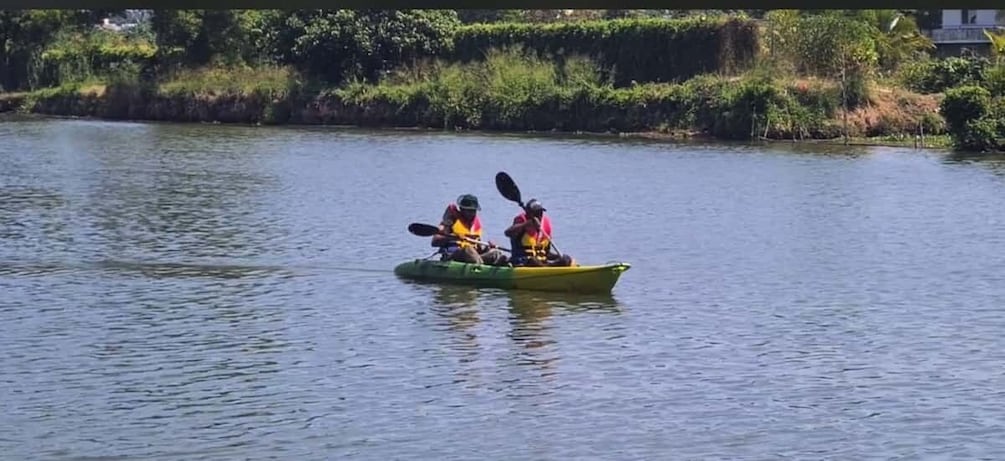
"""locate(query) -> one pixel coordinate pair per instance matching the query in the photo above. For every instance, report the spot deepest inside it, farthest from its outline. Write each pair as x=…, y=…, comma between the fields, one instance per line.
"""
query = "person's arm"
x=520, y=223
x=446, y=223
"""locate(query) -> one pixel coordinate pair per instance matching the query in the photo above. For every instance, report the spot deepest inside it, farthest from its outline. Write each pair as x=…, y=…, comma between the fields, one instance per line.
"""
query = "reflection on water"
x=995, y=163
x=531, y=311
x=531, y=316
x=817, y=149
x=458, y=307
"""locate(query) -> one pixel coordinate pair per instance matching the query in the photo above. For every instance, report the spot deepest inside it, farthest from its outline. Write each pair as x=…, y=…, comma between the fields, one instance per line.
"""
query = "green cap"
x=468, y=202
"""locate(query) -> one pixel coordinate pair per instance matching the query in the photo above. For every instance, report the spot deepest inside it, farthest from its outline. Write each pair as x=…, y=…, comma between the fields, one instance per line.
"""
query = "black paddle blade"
x=508, y=188
x=423, y=230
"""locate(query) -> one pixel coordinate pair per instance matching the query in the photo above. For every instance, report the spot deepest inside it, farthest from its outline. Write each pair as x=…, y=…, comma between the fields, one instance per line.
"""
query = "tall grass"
x=498, y=91
x=643, y=49
x=513, y=89
x=268, y=81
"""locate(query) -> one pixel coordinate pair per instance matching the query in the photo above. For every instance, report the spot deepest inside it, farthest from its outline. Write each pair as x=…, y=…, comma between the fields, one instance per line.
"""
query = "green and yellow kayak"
x=578, y=279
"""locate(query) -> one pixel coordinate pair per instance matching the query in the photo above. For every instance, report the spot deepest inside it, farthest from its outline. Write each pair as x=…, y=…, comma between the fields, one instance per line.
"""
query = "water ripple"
x=209, y=292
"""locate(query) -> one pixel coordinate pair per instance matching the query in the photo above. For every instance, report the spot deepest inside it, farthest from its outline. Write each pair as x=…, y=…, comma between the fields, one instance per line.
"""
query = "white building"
x=964, y=29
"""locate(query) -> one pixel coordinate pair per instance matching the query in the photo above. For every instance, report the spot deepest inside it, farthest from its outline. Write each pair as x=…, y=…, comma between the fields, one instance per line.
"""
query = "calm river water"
x=214, y=292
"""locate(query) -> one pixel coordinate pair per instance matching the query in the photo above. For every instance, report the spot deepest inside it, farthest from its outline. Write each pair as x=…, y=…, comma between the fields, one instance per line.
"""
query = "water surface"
x=215, y=292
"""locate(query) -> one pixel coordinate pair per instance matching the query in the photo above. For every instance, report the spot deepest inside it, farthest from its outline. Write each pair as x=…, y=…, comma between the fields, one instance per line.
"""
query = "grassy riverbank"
x=840, y=76
x=509, y=91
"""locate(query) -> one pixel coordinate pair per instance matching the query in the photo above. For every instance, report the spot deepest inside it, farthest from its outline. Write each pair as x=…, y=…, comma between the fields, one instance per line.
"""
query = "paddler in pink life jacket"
x=530, y=235
x=461, y=220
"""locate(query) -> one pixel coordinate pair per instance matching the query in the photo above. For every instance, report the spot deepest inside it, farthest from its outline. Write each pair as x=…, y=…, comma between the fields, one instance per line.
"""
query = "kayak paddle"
x=507, y=187
x=427, y=230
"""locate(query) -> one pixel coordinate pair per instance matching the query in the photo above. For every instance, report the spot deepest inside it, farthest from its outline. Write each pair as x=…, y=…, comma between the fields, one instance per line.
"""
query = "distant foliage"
x=514, y=89
x=77, y=56
x=821, y=42
x=640, y=50
x=994, y=80
x=341, y=45
x=975, y=119
x=24, y=35
x=201, y=37
x=897, y=37
x=939, y=75
x=830, y=44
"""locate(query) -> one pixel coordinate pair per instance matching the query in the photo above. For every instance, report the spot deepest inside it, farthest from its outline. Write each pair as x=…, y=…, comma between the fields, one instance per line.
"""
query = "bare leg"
x=494, y=257
x=467, y=255
x=562, y=261
x=531, y=262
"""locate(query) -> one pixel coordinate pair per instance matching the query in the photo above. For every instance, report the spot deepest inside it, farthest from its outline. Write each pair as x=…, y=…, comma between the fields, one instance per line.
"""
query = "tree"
x=838, y=46
x=176, y=32
x=25, y=33
x=997, y=45
x=828, y=45
x=200, y=37
x=337, y=45
x=897, y=36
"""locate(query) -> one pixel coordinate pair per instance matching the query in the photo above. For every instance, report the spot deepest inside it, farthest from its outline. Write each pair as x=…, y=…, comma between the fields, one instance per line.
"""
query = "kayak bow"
x=576, y=279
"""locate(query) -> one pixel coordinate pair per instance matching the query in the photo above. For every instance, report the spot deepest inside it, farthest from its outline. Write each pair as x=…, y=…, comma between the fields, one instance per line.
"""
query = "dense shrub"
x=979, y=135
x=77, y=57
x=994, y=80
x=640, y=50
x=939, y=75
x=341, y=45
x=513, y=90
x=964, y=104
x=974, y=119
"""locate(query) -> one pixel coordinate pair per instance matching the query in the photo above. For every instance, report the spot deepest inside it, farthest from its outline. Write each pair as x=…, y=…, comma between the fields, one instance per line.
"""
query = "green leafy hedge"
x=641, y=50
x=79, y=58
x=939, y=75
x=975, y=118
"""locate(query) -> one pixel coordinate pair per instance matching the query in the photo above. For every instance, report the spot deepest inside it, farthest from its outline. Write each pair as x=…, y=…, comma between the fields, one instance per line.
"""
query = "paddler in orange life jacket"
x=461, y=219
x=531, y=236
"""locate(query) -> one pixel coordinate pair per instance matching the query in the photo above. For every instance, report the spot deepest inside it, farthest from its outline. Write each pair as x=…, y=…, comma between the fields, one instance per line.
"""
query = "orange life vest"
x=461, y=229
x=535, y=244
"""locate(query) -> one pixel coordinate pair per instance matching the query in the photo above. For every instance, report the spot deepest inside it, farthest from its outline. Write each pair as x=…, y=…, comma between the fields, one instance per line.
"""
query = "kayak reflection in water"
x=530, y=235
x=461, y=221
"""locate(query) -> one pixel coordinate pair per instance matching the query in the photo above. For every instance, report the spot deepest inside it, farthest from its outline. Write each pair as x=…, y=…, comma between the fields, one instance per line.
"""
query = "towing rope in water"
x=355, y=269
x=188, y=268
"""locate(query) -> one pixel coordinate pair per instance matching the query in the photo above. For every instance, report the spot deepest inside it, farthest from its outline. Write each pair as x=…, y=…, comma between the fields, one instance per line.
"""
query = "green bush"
x=994, y=80
x=979, y=135
x=963, y=105
x=341, y=45
x=513, y=90
x=76, y=57
x=974, y=119
x=856, y=91
x=639, y=50
x=936, y=76
x=739, y=110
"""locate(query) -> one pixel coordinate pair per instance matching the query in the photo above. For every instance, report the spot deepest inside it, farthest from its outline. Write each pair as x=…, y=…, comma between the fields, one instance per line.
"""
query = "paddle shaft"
x=429, y=230
x=476, y=242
